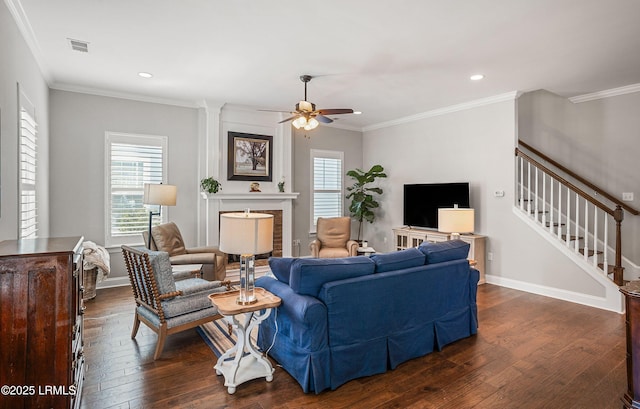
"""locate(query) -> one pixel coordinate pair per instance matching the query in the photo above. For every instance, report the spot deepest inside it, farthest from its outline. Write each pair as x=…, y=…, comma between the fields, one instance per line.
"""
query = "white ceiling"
x=387, y=58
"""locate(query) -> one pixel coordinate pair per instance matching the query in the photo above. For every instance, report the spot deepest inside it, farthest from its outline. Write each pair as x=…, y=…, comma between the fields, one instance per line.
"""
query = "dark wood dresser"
x=41, y=356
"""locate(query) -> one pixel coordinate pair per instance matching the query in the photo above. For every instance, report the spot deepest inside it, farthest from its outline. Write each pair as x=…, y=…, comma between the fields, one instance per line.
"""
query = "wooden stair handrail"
x=565, y=182
x=577, y=177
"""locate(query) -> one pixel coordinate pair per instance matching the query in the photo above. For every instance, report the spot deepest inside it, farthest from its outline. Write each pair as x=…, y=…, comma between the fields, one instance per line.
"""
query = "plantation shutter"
x=327, y=185
x=133, y=161
x=28, y=175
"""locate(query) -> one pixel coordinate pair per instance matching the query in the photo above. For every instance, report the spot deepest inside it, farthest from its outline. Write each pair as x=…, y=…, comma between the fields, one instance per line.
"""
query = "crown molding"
x=125, y=95
x=22, y=22
x=509, y=96
x=614, y=92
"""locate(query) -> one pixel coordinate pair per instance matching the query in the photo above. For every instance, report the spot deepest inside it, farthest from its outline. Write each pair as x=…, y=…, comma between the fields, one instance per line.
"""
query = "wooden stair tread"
x=590, y=253
x=555, y=224
x=571, y=237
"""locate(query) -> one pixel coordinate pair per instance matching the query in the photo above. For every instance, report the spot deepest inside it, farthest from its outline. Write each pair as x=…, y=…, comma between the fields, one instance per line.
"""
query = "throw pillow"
x=309, y=274
x=281, y=267
x=445, y=251
x=398, y=260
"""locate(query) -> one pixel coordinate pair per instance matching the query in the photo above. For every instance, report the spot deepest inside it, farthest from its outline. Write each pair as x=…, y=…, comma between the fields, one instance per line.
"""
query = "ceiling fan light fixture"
x=311, y=124
x=300, y=122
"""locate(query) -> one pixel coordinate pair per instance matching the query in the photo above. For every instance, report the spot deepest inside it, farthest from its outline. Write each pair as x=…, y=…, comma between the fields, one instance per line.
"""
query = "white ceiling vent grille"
x=79, y=45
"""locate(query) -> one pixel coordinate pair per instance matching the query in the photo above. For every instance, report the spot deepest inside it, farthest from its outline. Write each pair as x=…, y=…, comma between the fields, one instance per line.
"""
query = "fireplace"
x=261, y=259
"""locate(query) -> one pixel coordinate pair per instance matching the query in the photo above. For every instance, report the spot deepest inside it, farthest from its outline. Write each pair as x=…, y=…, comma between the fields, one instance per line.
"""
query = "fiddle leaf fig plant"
x=361, y=194
x=210, y=185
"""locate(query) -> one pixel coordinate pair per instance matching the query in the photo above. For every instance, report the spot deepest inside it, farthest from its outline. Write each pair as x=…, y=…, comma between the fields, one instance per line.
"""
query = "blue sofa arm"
x=301, y=318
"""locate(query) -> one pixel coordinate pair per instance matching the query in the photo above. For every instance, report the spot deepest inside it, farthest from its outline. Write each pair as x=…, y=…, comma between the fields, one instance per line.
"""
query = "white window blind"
x=133, y=160
x=28, y=175
x=327, y=182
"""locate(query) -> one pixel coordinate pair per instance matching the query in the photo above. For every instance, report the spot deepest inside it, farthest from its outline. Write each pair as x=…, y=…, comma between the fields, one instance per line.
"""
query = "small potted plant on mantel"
x=210, y=185
x=361, y=195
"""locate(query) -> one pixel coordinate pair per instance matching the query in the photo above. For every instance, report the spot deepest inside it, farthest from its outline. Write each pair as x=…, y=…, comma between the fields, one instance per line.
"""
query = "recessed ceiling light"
x=356, y=112
x=476, y=77
x=145, y=74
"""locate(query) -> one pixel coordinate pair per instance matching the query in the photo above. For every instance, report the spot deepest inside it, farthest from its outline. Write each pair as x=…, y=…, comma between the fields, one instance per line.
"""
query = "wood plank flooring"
x=530, y=352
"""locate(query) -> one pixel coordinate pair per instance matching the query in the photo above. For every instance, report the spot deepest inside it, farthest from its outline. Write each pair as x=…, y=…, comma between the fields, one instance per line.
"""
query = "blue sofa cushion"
x=309, y=274
x=398, y=260
x=281, y=267
x=445, y=251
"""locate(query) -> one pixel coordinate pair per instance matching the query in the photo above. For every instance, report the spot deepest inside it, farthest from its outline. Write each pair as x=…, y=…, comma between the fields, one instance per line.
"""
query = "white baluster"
x=568, y=218
x=529, y=187
x=577, y=222
x=544, y=214
x=544, y=198
x=595, y=236
x=537, y=196
x=605, y=262
x=586, y=229
x=559, y=209
x=521, y=183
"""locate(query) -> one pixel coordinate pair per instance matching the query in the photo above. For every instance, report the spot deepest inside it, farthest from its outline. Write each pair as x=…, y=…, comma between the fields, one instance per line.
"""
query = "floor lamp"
x=455, y=221
x=246, y=234
x=160, y=195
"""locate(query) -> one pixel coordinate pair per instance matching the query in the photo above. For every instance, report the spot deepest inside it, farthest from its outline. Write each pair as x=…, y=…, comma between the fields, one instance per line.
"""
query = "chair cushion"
x=333, y=252
x=281, y=268
x=334, y=231
x=194, y=298
x=167, y=238
x=398, y=260
x=309, y=274
x=162, y=270
x=445, y=251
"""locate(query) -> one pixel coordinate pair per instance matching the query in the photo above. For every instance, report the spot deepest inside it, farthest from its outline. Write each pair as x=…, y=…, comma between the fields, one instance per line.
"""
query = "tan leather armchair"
x=333, y=238
x=167, y=237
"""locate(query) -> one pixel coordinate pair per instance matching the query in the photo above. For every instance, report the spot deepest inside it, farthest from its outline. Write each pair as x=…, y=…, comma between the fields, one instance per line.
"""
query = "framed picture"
x=250, y=157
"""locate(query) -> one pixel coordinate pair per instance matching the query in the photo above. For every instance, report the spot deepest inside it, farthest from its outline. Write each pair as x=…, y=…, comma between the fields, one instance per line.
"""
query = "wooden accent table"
x=243, y=367
x=631, y=291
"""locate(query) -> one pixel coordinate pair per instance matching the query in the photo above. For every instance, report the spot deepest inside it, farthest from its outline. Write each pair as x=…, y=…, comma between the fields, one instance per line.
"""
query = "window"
x=327, y=185
x=132, y=161
x=28, y=172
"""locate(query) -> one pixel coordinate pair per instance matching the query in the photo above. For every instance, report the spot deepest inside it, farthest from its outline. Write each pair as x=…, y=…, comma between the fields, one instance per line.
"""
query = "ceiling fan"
x=306, y=116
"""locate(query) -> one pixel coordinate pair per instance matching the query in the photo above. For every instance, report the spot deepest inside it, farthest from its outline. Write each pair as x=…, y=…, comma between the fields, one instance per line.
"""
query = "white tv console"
x=407, y=237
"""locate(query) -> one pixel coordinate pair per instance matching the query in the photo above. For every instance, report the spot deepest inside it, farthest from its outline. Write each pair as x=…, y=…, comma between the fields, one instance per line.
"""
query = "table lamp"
x=246, y=234
x=161, y=195
x=455, y=221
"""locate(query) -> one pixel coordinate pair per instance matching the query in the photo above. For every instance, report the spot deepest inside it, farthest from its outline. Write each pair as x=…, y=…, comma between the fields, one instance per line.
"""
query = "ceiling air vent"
x=78, y=45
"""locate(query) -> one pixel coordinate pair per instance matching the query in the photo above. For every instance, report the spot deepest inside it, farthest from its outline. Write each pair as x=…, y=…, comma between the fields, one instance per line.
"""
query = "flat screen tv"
x=422, y=201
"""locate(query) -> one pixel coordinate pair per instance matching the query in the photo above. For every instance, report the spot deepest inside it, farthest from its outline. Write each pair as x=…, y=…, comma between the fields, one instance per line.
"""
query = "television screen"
x=422, y=201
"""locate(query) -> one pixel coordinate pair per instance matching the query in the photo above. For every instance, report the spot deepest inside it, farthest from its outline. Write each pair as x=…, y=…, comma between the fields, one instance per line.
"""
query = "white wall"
x=325, y=138
x=19, y=66
x=598, y=140
x=474, y=145
x=78, y=125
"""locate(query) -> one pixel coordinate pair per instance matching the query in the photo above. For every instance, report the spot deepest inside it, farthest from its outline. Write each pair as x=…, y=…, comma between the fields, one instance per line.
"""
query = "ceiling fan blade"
x=323, y=119
x=335, y=111
x=289, y=119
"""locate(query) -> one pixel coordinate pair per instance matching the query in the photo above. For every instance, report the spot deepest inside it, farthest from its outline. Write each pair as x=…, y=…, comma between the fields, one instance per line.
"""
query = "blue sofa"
x=346, y=318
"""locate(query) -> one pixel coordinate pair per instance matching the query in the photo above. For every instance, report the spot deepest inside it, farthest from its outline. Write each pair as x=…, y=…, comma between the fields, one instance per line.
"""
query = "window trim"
x=25, y=105
x=138, y=139
x=322, y=153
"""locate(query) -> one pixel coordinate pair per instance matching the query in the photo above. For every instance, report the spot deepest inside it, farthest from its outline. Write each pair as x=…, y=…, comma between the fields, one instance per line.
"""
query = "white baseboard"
x=565, y=295
x=114, y=282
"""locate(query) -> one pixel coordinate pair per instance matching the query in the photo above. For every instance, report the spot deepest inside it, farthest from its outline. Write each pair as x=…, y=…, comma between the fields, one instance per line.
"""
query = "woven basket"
x=89, y=282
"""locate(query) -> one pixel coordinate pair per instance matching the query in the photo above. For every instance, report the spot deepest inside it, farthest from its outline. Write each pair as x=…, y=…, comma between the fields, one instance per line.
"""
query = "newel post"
x=618, y=270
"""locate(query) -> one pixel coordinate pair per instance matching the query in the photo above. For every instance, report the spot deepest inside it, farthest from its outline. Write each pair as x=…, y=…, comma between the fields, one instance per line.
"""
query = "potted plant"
x=361, y=194
x=210, y=185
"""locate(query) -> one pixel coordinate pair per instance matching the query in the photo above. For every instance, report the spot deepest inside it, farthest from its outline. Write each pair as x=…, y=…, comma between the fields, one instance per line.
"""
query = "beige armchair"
x=167, y=237
x=333, y=238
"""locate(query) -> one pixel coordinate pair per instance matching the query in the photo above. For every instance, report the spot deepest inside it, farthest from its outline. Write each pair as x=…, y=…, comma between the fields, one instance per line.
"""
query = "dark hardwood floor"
x=530, y=352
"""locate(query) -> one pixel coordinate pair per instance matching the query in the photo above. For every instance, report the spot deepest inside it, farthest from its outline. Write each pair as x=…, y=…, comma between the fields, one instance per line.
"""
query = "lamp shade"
x=456, y=220
x=246, y=233
x=159, y=194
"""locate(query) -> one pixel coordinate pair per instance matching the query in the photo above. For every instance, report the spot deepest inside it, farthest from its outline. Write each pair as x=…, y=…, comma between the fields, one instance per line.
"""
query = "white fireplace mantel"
x=217, y=202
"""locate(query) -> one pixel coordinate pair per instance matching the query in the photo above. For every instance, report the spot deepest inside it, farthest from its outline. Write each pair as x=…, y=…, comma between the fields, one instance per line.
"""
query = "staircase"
x=579, y=218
